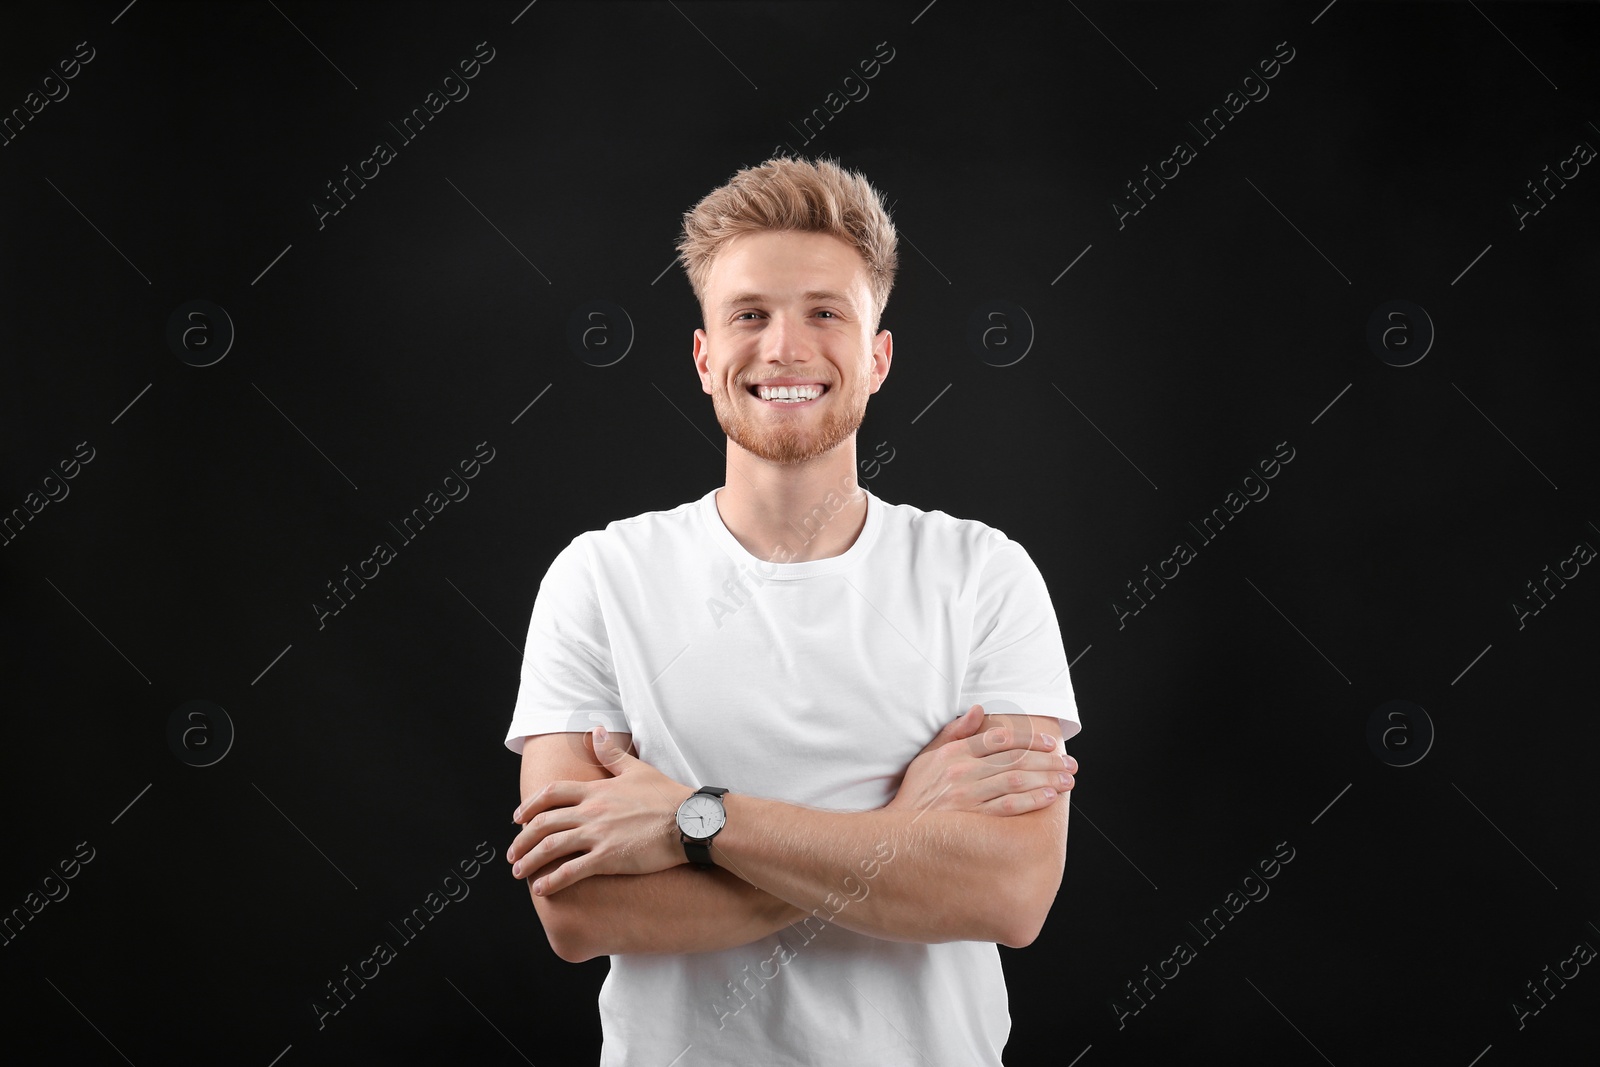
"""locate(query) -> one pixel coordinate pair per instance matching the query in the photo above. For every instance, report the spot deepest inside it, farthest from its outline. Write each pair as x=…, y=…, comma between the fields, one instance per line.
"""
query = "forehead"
x=785, y=266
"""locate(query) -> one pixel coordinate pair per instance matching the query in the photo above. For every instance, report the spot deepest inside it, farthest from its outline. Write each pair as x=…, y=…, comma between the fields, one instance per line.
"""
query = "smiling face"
x=795, y=309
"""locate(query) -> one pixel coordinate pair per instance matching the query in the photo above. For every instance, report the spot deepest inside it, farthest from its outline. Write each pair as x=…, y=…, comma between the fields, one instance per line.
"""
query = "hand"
x=995, y=764
x=624, y=824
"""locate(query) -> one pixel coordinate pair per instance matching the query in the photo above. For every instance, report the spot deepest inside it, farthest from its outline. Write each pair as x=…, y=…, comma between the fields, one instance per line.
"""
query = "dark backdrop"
x=1352, y=270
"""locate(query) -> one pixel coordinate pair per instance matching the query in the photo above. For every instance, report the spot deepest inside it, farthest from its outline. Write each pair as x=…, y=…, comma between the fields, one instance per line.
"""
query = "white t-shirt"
x=814, y=683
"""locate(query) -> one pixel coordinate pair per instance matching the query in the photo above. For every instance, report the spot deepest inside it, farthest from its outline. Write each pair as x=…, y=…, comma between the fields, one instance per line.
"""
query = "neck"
x=793, y=512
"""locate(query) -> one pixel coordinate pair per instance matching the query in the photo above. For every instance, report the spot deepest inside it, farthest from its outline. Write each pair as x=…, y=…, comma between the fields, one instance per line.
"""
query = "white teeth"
x=789, y=393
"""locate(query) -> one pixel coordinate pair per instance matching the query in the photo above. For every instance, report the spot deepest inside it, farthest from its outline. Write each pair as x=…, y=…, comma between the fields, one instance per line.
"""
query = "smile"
x=788, y=395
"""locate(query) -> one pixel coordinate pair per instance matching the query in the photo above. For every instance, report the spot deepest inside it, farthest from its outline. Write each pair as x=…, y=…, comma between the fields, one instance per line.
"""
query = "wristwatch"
x=700, y=817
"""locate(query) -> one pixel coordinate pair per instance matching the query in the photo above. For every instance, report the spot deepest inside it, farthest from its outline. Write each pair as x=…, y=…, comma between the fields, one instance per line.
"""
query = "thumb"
x=965, y=725
x=613, y=758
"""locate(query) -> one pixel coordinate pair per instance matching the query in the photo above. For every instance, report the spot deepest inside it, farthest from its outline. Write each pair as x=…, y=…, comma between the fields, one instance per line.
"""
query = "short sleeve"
x=1017, y=655
x=569, y=680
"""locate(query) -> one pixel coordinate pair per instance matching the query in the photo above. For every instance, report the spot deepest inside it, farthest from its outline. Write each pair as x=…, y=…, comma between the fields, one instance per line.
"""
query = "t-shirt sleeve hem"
x=1064, y=709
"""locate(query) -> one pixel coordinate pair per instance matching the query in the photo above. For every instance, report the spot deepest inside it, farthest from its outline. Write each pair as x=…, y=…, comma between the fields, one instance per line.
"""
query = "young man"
x=785, y=869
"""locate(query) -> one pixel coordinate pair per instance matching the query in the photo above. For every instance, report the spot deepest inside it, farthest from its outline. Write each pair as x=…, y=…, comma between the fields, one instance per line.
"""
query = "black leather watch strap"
x=699, y=851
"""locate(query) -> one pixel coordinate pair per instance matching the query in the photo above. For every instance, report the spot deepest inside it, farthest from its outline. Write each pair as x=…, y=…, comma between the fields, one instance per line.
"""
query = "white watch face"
x=701, y=816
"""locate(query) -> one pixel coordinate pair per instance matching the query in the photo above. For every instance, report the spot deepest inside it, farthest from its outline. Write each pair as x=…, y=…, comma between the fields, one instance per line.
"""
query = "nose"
x=780, y=341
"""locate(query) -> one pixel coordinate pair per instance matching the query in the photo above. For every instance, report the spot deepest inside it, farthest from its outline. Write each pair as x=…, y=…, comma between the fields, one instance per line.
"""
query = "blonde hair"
x=786, y=194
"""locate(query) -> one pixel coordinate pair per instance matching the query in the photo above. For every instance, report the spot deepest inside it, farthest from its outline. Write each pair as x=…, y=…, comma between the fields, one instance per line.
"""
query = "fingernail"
x=1064, y=779
x=516, y=869
x=516, y=816
x=600, y=735
x=1050, y=740
x=1048, y=792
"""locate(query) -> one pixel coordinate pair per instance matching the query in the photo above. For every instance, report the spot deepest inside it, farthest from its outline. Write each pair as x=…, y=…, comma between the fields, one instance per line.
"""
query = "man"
x=785, y=869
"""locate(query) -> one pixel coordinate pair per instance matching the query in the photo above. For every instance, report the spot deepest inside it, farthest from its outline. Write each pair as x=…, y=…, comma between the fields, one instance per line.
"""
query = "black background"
x=375, y=352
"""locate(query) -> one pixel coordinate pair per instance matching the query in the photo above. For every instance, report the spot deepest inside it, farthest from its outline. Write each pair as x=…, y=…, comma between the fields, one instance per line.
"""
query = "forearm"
x=679, y=910
x=924, y=876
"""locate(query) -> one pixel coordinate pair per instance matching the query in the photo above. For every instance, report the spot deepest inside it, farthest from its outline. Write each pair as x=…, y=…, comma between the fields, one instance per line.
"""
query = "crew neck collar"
x=787, y=571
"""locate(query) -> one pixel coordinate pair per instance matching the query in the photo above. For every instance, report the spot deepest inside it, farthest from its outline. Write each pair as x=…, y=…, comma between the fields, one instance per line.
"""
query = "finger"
x=551, y=848
x=1010, y=733
x=539, y=827
x=611, y=755
x=1019, y=783
x=1032, y=760
x=551, y=795
x=964, y=725
x=574, y=870
x=1020, y=803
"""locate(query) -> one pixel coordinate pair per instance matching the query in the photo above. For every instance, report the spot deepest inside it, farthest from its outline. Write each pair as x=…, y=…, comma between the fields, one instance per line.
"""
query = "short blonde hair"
x=787, y=194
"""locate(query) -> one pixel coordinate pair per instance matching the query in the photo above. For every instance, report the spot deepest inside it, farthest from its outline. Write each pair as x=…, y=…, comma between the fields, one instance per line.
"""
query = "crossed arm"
x=971, y=848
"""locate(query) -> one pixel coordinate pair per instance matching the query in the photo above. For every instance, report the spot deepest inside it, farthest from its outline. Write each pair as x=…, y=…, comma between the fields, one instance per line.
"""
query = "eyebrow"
x=808, y=297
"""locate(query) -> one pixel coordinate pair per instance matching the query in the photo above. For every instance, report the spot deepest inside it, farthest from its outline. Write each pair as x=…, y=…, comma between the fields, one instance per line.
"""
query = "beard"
x=785, y=438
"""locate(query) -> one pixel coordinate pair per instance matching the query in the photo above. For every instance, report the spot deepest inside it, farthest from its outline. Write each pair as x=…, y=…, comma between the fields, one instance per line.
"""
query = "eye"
x=825, y=311
x=742, y=314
